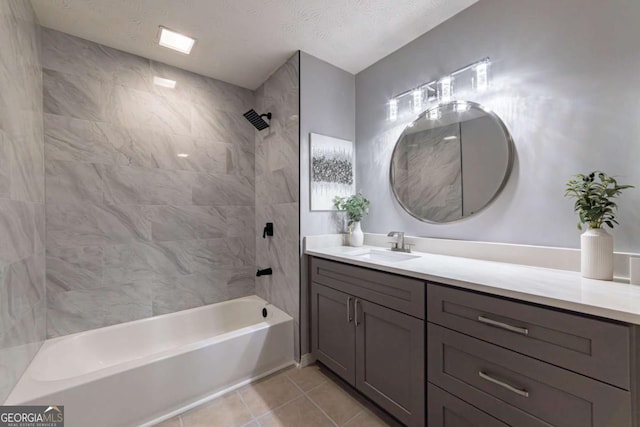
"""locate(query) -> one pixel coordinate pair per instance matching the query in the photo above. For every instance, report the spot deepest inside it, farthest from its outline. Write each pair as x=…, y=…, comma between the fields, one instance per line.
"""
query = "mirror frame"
x=507, y=173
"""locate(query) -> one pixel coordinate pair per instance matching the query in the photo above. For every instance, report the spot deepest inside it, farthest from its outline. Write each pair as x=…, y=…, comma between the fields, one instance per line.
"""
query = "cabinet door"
x=333, y=330
x=390, y=361
x=445, y=410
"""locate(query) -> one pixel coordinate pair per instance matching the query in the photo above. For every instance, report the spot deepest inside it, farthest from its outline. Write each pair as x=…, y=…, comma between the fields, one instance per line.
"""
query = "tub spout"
x=264, y=272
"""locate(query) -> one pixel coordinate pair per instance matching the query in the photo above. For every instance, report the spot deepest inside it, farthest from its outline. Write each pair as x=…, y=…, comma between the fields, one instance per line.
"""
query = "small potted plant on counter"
x=594, y=193
x=356, y=206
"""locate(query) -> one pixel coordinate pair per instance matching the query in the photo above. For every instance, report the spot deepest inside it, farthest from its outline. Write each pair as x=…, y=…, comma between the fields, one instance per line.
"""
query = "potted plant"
x=357, y=206
x=594, y=193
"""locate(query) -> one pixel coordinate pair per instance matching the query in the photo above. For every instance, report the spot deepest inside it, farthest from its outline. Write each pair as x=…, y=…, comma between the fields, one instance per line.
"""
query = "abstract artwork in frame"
x=332, y=171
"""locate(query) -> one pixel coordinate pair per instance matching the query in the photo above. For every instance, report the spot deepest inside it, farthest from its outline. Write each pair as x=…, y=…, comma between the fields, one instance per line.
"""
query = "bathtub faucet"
x=264, y=272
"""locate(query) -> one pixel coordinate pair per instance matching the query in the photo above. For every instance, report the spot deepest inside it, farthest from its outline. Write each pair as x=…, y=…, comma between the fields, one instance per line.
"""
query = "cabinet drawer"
x=399, y=293
x=520, y=390
x=445, y=410
x=596, y=348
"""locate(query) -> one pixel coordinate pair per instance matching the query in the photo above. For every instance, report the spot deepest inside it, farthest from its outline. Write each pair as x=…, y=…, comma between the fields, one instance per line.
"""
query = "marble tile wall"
x=278, y=190
x=22, y=258
x=133, y=230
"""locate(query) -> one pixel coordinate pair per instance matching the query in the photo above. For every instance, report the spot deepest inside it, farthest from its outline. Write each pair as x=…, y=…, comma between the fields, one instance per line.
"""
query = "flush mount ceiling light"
x=174, y=40
x=159, y=81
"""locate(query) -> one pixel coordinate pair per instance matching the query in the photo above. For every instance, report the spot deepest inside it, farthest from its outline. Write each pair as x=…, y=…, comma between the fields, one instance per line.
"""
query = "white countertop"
x=554, y=288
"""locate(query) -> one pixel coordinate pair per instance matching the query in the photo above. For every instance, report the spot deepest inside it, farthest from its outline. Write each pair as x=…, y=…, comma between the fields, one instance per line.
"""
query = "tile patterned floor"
x=291, y=398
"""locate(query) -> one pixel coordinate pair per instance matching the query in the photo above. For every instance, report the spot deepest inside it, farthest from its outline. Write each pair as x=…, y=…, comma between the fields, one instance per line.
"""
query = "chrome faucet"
x=399, y=245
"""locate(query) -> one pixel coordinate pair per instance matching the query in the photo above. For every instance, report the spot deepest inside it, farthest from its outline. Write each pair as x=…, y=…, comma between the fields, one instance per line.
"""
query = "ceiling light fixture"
x=176, y=41
x=159, y=81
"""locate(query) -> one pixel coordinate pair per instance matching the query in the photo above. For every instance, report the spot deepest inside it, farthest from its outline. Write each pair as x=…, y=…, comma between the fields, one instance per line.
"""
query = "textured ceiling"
x=244, y=41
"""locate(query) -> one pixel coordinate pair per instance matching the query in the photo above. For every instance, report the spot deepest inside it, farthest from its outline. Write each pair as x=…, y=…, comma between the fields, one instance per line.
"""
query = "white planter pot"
x=596, y=256
x=356, y=237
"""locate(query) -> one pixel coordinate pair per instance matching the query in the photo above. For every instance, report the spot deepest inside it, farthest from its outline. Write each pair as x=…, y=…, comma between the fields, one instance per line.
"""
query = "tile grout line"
x=354, y=417
x=278, y=407
x=327, y=380
x=253, y=417
x=257, y=418
x=310, y=399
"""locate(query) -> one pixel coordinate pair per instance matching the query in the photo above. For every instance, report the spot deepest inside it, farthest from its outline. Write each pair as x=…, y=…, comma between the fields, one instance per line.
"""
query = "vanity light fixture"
x=417, y=101
x=393, y=110
x=159, y=81
x=176, y=41
x=441, y=90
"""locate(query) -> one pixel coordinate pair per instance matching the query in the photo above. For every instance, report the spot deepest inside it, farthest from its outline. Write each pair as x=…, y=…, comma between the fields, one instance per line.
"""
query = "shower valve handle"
x=268, y=230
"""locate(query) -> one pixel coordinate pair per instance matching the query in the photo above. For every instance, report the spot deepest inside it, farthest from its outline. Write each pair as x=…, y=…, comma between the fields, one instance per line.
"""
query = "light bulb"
x=417, y=101
x=393, y=110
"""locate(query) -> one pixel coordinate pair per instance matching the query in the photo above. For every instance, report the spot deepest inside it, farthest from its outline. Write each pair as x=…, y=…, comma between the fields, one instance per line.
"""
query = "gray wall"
x=485, y=157
x=133, y=230
x=565, y=82
x=327, y=107
x=278, y=188
x=22, y=258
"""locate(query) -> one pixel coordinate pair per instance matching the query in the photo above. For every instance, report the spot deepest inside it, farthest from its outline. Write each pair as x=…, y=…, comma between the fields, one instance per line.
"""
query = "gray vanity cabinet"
x=377, y=349
x=334, y=334
x=390, y=361
x=525, y=365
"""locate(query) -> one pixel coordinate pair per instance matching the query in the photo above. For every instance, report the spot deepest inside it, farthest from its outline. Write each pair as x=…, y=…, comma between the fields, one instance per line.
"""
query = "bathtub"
x=145, y=371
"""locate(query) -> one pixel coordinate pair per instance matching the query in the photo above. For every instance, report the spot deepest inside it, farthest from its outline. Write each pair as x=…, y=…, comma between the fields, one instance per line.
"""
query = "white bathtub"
x=142, y=372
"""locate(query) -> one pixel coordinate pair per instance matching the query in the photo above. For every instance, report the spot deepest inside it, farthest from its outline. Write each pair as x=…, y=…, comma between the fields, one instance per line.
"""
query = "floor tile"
x=225, y=411
x=172, y=422
x=366, y=419
x=335, y=402
x=307, y=377
x=268, y=394
x=299, y=413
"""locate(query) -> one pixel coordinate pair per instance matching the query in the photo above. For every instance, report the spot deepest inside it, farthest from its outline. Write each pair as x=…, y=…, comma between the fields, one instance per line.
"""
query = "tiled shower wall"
x=22, y=288
x=133, y=230
x=278, y=188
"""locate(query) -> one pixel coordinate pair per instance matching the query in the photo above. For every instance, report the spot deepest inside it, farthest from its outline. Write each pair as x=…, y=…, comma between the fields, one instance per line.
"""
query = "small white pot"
x=356, y=237
x=596, y=255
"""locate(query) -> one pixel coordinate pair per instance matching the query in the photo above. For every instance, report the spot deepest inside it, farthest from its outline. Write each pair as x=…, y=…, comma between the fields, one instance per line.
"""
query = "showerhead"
x=257, y=119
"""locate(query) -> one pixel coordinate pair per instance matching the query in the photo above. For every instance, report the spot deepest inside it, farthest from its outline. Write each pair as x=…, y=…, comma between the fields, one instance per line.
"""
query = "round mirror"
x=451, y=162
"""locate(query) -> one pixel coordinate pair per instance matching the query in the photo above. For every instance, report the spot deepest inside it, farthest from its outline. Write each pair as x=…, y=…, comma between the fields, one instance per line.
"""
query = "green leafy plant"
x=357, y=206
x=594, y=193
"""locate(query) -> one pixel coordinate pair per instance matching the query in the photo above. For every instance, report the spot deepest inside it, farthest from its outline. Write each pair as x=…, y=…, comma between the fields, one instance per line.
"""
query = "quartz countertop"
x=555, y=288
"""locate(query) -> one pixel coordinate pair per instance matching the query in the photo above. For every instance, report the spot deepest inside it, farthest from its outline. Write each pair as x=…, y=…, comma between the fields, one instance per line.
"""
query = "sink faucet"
x=398, y=246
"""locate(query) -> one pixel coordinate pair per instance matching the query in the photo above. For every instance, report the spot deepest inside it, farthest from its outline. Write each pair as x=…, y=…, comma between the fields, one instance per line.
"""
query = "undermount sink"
x=383, y=255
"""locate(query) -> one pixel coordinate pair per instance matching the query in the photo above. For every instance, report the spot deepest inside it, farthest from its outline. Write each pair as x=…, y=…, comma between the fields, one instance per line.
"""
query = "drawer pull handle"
x=349, y=318
x=516, y=329
x=355, y=308
x=518, y=391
